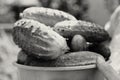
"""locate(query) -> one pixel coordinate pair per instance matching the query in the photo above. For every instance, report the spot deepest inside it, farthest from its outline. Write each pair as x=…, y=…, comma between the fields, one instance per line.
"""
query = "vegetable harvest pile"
x=53, y=38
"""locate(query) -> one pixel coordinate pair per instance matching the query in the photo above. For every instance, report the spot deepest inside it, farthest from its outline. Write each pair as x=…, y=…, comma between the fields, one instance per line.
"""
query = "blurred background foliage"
x=90, y=10
x=10, y=10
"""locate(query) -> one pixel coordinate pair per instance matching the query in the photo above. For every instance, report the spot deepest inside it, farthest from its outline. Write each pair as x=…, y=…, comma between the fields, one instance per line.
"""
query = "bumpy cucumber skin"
x=90, y=31
x=81, y=58
x=46, y=15
x=37, y=39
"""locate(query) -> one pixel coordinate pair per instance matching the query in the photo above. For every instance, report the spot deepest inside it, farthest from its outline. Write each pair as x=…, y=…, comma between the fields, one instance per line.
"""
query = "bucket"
x=56, y=73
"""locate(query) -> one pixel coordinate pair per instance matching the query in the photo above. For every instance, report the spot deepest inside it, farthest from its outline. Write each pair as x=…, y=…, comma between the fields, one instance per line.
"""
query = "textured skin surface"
x=38, y=39
x=100, y=49
x=90, y=31
x=78, y=43
x=71, y=59
x=46, y=15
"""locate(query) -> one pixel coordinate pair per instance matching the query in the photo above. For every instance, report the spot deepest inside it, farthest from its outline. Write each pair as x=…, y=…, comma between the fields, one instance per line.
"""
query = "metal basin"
x=56, y=73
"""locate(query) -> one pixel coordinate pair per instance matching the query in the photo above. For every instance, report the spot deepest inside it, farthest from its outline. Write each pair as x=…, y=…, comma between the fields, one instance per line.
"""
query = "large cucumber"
x=82, y=58
x=90, y=31
x=37, y=39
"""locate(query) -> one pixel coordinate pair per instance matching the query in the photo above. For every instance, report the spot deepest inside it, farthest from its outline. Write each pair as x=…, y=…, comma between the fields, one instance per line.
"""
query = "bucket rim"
x=90, y=66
